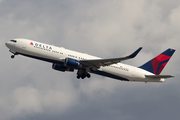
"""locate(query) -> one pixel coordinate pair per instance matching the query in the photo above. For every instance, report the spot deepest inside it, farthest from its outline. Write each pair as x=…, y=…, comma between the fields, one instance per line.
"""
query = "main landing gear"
x=82, y=74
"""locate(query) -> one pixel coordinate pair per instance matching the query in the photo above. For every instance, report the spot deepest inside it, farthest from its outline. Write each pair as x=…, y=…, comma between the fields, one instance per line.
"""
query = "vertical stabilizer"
x=157, y=64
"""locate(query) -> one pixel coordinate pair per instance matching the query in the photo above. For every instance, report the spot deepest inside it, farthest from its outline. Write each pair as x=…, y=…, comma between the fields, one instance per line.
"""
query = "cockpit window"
x=13, y=41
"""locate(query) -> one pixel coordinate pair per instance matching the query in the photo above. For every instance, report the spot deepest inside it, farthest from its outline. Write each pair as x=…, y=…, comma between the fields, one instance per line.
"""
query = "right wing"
x=106, y=62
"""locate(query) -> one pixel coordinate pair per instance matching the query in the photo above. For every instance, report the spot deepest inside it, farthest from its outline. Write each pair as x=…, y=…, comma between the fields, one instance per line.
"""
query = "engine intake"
x=61, y=68
x=72, y=63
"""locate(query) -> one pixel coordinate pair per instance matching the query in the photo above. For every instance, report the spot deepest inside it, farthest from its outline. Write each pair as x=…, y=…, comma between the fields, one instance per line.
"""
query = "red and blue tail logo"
x=157, y=64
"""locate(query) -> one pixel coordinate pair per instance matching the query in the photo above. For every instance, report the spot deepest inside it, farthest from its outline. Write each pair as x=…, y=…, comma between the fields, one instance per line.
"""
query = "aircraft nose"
x=7, y=44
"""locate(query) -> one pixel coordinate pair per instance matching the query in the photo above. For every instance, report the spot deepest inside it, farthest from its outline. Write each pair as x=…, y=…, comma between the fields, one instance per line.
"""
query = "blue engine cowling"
x=61, y=68
x=72, y=63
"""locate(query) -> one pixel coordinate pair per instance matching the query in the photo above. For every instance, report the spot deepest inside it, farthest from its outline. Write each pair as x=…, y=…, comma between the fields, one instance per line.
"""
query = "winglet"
x=135, y=53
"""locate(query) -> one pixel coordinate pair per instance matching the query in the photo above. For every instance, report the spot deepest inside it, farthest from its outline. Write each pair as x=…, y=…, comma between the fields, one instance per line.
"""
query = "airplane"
x=67, y=60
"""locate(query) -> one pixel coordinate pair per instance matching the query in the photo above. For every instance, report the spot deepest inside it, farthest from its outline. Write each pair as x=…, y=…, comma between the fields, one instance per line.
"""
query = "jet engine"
x=61, y=68
x=72, y=63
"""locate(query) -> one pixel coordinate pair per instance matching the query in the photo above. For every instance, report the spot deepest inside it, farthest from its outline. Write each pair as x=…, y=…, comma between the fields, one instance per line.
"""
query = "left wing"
x=106, y=62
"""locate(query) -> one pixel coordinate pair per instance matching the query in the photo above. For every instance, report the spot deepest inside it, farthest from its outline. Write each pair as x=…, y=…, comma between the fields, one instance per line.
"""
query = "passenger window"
x=13, y=41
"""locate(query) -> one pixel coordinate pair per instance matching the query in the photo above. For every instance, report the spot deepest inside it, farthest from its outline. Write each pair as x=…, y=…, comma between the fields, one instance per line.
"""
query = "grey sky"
x=31, y=90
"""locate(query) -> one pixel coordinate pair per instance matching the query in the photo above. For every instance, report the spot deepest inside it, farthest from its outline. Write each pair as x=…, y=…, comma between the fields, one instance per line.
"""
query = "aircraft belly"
x=106, y=74
x=110, y=72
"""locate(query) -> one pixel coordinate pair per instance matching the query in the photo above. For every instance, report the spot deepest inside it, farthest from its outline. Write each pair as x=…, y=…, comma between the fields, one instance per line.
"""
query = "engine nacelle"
x=72, y=63
x=61, y=68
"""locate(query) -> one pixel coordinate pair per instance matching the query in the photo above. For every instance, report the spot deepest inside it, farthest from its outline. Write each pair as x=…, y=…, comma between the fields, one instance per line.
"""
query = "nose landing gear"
x=12, y=56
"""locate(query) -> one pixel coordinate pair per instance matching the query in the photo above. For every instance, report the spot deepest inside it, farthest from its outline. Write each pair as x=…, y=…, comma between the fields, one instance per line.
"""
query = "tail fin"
x=157, y=64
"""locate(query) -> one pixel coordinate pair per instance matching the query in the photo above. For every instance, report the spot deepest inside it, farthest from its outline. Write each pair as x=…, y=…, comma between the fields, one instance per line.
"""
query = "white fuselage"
x=55, y=54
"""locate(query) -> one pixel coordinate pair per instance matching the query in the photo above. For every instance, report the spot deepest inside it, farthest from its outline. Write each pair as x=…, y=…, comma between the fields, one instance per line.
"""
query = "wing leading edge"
x=106, y=62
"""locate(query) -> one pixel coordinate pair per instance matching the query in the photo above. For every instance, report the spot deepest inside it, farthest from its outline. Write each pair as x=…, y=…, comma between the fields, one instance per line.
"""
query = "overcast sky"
x=32, y=90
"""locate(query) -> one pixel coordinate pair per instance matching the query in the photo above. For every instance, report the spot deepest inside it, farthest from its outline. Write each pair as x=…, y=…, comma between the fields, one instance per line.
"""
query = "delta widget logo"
x=31, y=43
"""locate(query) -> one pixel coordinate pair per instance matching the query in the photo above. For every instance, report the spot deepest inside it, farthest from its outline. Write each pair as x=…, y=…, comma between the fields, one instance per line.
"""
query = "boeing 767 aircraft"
x=67, y=60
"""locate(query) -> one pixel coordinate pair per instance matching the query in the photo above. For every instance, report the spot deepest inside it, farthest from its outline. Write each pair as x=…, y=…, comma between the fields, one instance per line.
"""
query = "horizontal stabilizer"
x=159, y=76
